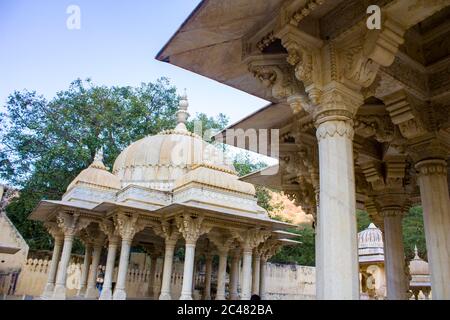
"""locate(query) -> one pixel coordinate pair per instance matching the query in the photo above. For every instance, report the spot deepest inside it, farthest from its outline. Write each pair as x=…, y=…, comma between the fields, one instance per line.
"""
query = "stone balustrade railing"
x=33, y=277
x=283, y=281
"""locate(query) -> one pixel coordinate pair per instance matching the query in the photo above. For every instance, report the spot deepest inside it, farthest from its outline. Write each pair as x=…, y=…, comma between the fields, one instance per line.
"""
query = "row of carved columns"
x=250, y=245
x=326, y=80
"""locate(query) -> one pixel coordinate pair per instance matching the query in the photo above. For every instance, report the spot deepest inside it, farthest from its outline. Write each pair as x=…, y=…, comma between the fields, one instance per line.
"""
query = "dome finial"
x=99, y=155
x=416, y=252
x=182, y=113
x=98, y=159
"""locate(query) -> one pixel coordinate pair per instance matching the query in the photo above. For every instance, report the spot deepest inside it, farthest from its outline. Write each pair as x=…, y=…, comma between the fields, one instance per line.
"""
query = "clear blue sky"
x=116, y=45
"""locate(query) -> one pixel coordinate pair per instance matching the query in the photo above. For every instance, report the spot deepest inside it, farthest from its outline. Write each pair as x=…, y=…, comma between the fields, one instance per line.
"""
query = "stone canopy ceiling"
x=221, y=40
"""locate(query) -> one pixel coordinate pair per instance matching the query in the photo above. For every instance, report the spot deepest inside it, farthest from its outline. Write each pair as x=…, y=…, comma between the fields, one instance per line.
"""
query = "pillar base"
x=106, y=294
x=165, y=296
x=119, y=294
x=234, y=296
x=81, y=292
x=220, y=297
x=48, y=291
x=59, y=293
x=186, y=296
x=91, y=293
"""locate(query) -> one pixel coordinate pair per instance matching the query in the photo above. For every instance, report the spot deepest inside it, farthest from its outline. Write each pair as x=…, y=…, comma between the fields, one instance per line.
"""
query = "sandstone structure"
x=362, y=113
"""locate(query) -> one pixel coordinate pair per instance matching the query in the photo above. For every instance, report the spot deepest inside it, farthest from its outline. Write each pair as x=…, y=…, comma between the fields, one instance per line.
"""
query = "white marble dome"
x=418, y=266
x=96, y=175
x=372, y=237
x=370, y=244
x=157, y=161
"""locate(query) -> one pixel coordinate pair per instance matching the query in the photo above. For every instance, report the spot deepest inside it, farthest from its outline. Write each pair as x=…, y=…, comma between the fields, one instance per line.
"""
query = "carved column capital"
x=430, y=146
x=128, y=225
x=338, y=103
x=335, y=128
x=168, y=231
x=432, y=167
x=222, y=242
x=191, y=227
x=109, y=230
x=269, y=248
x=54, y=230
x=70, y=224
x=92, y=236
x=251, y=238
x=392, y=212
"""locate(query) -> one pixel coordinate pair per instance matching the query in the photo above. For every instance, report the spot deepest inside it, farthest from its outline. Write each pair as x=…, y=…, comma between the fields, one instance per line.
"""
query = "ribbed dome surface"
x=157, y=161
x=96, y=175
x=165, y=157
x=418, y=266
x=371, y=237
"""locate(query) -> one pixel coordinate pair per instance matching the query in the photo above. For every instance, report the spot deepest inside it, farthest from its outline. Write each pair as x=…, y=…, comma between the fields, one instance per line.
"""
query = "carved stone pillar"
x=394, y=253
x=208, y=274
x=191, y=228
x=85, y=268
x=234, y=274
x=223, y=244
x=337, y=240
x=127, y=227
x=92, y=291
x=256, y=267
x=249, y=240
x=432, y=178
x=269, y=248
x=167, y=270
x=171, y=235
x=58, y=237
x=221, y=274
x=70, y=225
x=246, y=273
x=152, y=275
x=113, y=242
x=262, y=278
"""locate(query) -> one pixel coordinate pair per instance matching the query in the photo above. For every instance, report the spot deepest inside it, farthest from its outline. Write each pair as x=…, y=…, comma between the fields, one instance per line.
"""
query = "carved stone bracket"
x=403, y=110
x=278, y=76
x=222, y=242
x=251, y=238
x=54, y=230
x=168, y=231
x=109, y=230
x=269, y=248
x=71, y=224
x=191, y=227
x=128, y=225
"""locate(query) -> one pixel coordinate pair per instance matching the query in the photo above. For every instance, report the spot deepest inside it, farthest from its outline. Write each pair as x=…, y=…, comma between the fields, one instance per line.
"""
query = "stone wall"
x=284, y=281
x=293, y=282
x=9, y=235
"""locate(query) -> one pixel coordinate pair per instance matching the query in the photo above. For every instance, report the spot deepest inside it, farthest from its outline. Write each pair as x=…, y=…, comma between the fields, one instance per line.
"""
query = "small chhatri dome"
x=96, y=175
x=418, y=266
x=157, y=161
x=370, y=244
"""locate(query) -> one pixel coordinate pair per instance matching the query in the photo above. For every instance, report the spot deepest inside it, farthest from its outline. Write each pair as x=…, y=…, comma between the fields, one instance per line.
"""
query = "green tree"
x=303, y=254
x=414, y=234
x=45, y=144
x=362, y=220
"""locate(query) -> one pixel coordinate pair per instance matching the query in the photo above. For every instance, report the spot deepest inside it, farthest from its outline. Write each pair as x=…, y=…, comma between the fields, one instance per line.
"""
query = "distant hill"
x=286, y=210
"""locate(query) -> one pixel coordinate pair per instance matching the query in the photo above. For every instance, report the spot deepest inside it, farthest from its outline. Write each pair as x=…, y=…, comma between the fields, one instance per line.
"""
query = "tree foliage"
x=45, y=144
